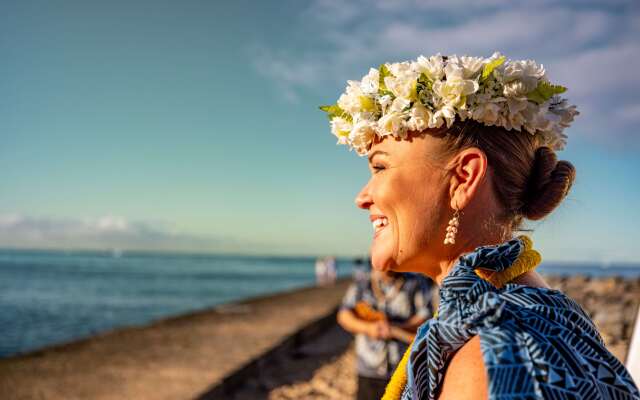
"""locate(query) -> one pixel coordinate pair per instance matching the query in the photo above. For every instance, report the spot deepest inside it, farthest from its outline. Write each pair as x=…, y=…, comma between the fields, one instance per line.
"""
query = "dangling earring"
x=452, y=228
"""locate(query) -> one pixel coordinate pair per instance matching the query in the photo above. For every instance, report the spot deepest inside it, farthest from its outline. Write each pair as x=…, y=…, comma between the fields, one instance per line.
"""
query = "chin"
x=387, y=265
x=384, y=259
x=401, y=267
x=381, y=259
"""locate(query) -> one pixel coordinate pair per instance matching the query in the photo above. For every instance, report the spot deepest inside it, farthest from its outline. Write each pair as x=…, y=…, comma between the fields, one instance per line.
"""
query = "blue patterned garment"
x=536, y=343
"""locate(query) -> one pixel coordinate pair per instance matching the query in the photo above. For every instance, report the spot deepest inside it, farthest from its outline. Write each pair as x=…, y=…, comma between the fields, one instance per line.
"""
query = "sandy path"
x=178, y=358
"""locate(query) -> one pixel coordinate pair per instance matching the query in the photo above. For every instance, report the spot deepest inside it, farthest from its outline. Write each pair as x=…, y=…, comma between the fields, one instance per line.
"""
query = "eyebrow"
x=376, y=153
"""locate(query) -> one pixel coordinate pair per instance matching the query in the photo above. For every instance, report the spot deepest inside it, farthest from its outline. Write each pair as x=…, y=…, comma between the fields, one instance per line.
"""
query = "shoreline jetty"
x=184, y=357
x=277, y=347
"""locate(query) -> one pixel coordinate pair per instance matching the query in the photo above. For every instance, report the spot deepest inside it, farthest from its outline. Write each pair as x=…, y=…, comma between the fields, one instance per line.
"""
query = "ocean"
x=51, y=297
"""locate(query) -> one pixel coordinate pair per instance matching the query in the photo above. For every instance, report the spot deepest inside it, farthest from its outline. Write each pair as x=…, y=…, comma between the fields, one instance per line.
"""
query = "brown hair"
x=529, y=180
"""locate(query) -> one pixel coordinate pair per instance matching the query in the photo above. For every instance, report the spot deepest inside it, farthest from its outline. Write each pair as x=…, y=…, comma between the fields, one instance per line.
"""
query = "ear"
x=468, y=170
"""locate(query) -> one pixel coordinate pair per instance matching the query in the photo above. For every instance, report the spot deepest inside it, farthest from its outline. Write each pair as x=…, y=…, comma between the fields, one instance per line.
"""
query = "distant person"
x=326, y=272
x=321, y=272
x=330, y=270
x=383, y=310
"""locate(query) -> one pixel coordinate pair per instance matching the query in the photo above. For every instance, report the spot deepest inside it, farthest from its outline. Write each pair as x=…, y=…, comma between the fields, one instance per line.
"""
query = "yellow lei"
x=527, y=261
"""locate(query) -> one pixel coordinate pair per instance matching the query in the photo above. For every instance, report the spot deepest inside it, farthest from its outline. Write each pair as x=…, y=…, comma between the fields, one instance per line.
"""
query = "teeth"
x=379, y=223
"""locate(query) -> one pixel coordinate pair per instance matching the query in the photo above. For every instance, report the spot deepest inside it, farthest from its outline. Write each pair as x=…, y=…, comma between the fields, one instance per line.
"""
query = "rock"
x=608, y=316
x=612, y=302
x=619, y=350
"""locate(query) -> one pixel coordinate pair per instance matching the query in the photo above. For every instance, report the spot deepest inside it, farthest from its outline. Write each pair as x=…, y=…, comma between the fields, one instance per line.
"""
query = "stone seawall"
x=177, y=358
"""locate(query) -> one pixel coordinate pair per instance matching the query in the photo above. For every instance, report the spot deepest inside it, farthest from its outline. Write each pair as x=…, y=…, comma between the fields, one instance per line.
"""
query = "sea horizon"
x=51, y=296
x=119, y=252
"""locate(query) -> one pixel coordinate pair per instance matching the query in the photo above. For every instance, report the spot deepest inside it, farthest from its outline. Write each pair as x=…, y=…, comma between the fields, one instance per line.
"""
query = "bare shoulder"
x=466, y=376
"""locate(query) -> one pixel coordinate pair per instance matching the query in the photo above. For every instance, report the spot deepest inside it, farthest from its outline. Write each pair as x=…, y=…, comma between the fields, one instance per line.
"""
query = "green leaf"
x=544, y=91
x=335, y=111
x=490, y=67
x=383, y=72
x=423, y=84
x=367, y=103
x=413, y=95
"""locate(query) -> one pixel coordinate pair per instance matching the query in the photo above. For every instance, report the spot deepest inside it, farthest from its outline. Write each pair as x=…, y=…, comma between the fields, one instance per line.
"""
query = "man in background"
x=383, y=311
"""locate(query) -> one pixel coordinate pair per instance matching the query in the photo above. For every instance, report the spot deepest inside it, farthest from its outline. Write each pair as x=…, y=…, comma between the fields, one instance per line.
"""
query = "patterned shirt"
x=536, y=343
x=404, y=297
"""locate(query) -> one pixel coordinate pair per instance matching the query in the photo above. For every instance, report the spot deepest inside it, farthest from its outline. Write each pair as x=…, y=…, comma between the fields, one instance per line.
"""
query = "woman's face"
x=408, y=202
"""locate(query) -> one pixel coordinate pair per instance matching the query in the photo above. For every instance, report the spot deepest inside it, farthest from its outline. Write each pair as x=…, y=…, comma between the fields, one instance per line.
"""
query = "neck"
x=444, y=267
x=466, y=245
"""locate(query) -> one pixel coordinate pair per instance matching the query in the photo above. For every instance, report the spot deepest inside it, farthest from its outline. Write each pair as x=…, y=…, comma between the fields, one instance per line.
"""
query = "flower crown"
x=429, y=92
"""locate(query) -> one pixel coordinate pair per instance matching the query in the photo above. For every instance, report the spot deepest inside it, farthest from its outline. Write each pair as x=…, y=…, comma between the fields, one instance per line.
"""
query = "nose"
x=363, y=199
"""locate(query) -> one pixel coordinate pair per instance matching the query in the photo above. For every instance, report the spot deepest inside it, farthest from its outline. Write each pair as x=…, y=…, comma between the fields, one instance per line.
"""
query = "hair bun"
x=548, y=184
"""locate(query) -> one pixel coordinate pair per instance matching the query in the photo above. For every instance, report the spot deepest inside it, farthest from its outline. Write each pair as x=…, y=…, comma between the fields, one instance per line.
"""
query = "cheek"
x=419, y=224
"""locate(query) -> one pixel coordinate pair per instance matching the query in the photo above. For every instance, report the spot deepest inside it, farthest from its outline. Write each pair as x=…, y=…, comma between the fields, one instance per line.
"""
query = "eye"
x=377, y=168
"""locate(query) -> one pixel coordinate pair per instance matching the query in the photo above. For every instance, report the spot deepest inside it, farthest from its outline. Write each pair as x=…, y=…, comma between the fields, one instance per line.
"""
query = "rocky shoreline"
x=612, y=303
x=284, y=346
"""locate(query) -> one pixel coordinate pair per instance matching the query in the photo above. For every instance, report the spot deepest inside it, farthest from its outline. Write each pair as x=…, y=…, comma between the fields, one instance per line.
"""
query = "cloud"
x=505, y=31
x=593, y=49
x=107, y=232
x=630, y=114
x=609, y=69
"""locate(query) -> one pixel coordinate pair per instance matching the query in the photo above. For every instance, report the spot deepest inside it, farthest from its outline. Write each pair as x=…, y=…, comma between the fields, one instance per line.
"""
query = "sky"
x=193, y=125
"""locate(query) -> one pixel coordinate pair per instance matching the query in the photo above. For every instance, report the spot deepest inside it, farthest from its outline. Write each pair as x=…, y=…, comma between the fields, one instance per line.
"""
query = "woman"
x=462, y=150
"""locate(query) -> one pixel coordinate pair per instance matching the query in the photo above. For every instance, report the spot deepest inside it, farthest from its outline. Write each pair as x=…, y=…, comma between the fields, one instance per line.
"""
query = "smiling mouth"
x=379, y=224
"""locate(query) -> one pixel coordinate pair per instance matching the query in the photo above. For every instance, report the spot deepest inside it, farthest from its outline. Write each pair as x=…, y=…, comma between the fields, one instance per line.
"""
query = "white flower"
x=516, y=89
x=469, y=66
x=401, y=69
x=385, y=101
x=341, y=128
x=516, y=121
x=561, y=115
x=419, y=118
x=527, y=72
x=370, y=83
x=402, y=83
x=516, y=105
x=350, y=100
x=453, y=92
x=487, y=113
x=472, y=65
x=565, y=112
x=399, y=104
x=392, y=123
x=536, y=117
x=402, y=86
x=445, y=114
x=362, y=136
x=521, y=112
x=432, y=67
